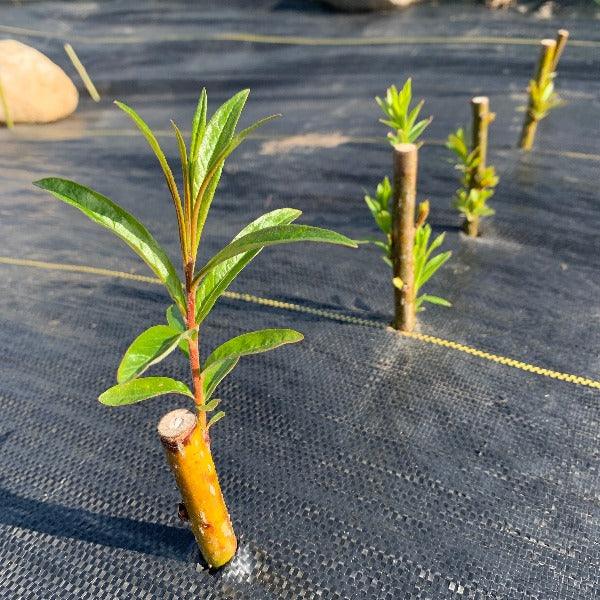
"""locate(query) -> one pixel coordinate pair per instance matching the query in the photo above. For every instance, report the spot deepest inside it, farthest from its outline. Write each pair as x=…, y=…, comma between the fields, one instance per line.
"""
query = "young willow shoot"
x=477, y=179
x=542, y=96
x=401, y=118
x=183, y=433
x=425, y=265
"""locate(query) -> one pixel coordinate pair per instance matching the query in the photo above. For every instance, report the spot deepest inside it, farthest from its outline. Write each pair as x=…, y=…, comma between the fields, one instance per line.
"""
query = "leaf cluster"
x=425, y=264
x=202, y=160
x=543, y=97
x=380, y=208
x=401, y=118
x=476, y=187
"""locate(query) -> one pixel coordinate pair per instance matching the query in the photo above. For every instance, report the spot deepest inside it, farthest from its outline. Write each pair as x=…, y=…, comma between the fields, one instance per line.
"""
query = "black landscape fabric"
x=358, y=464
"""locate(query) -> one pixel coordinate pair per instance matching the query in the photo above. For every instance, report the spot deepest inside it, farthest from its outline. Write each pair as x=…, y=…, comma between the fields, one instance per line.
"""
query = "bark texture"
x=403, y=233
x=188, y=454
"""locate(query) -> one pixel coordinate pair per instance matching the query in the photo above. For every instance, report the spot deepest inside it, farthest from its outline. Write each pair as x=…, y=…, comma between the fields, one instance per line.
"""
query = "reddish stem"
x=194, y=345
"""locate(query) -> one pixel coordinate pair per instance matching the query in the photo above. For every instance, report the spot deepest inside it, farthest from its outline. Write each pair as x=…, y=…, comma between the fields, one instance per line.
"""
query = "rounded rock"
x=36, y=89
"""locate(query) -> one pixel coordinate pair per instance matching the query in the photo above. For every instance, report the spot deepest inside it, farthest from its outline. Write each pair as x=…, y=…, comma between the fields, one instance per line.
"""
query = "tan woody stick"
x=480, y=107
x=188, y=454
x=403, y=234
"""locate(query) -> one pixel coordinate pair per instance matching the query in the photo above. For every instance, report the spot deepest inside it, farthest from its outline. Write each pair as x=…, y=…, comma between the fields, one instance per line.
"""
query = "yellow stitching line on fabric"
x=294, y=40
x=503, y=360
x=257, y=136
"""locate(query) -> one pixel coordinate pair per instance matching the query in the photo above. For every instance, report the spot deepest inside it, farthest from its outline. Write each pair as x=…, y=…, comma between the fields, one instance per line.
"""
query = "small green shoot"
x=401, y=118
x=380, y=207
x=543, y=97
x=195, y=295
x=476, y=188
x=426, y=265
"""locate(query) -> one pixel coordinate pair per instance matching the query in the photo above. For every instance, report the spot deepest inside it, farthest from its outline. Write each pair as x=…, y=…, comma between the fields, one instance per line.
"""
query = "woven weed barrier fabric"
x=359, y=464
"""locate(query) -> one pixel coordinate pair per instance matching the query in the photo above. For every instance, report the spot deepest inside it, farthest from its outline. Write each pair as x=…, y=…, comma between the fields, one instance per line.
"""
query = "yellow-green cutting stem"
x=87, y=80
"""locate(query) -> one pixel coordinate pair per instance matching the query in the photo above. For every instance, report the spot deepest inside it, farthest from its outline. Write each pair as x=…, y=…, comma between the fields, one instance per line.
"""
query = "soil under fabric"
x=359, y=463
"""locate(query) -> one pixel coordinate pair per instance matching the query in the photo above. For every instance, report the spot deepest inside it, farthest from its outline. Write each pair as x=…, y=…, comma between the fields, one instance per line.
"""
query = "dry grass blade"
x=87, y=81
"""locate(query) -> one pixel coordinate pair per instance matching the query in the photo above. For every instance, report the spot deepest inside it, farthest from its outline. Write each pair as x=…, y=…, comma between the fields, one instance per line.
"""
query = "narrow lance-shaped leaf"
x=209, y=406
x=153, y=142
x=208, y=187
x=215, y=373
x=270, y=236
x=105, y=212
x=215, y=418
x=252, y=343
x=198, y=125
x=219, y=278
x=431, y=267
x=419, y=128
x=186, y=209
x=137, y=390
x=149, y=348
x=217, y=135
x=175, y=320
x=414, y=113
x=435, y=300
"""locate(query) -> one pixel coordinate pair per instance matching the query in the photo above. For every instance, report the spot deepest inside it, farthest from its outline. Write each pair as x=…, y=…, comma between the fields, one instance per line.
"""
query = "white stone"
x=36, y=89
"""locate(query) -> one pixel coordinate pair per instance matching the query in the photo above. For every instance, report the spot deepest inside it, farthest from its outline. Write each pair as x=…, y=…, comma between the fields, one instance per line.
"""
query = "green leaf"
x=181, y=146
x=384, y=221
x=404, y=98
x=137, y=390
x=153, y=142
x=270, y=236
x=217, y=135
x=252, y=343
x=420, y=252
x=414, y=113
x=373, y=206
x=198, y=124
x=380, y=244
x=219, y=278
x=418, y=129
x=215, y=373
x=176, y=321
x=216, y=417
x=208, y=406
x=431, y=267
x=149, y=348
x=379, y=206
x=214, y=174
x=457, y=143
x=435, y=300
x=401, y=119
x=105, y=212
